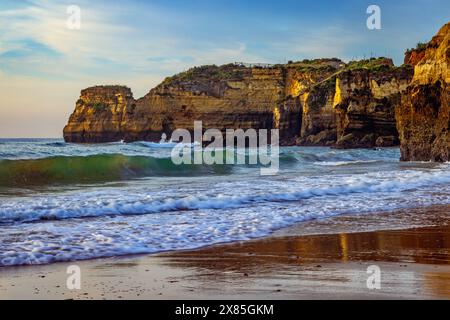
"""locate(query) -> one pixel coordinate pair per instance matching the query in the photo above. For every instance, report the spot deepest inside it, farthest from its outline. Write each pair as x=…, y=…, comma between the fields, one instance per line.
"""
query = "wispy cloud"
x=109, y=43
x=43, y=64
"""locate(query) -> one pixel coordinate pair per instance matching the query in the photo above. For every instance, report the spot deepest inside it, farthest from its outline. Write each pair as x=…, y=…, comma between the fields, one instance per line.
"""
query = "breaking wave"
x=95, y=168
x=91, y=205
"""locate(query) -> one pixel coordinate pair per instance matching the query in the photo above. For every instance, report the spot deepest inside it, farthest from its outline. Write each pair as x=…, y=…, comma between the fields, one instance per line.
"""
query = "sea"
x=68, y=202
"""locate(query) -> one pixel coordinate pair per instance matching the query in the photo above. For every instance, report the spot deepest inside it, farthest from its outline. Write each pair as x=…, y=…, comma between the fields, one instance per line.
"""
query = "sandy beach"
x=178, y=151
x=414, y=263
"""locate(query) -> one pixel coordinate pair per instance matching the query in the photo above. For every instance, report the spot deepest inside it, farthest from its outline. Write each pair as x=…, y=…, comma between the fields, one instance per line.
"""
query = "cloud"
x=139, y=43
x=113, y=40
x=44, y=64
x=44, y=23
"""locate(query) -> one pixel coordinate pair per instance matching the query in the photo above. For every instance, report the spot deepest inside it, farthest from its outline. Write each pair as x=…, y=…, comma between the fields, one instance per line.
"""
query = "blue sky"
x=44, y=65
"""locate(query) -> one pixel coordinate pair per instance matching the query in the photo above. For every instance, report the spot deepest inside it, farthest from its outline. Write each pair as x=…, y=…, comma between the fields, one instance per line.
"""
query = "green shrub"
x=208, y=73
x=419, y=47
x=373, y=64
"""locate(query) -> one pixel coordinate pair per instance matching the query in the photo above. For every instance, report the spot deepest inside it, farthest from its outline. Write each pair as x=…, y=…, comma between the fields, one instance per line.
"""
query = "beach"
x=136, y=226
x=224, y=150
x=414, y=264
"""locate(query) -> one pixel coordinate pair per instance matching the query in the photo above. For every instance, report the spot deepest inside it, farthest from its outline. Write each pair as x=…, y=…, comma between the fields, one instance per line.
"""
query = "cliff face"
x=98, y=114
x=423, y=117
x=312, y=102
x=222, y=97
x=227, y=97
x=355, y=106
x=316, y=124
x=414, y=56
x=319, y=117
x=230, y=96
x=365, y=101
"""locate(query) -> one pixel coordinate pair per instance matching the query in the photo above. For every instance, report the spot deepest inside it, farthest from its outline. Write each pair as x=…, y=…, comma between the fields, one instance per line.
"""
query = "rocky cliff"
x=365, y=99
x=99, y=114
x=355, y=106
x=423, y=117
x=230, y=96
x=312, y=102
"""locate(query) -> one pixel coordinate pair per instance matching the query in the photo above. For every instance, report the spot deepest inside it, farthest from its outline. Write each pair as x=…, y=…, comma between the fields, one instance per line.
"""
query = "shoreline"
x=414, y=263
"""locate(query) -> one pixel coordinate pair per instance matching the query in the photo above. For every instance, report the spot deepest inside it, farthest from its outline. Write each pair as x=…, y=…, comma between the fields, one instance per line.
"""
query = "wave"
x=345, y=163
x=156, y=145
x=56, y=144
x=162, y=145
x=92, y=205
x=95, y=168
x=59, y=163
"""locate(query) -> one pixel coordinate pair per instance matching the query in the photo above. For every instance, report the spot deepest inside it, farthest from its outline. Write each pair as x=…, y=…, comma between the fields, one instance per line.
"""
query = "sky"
x=44, y=64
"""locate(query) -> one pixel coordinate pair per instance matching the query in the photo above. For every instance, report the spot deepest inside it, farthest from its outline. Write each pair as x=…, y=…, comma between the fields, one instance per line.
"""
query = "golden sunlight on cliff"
x=338, y=94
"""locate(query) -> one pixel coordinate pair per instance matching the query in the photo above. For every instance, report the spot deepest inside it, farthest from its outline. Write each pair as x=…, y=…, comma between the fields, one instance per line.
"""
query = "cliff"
x=423, y=117
x=98, y=115
x=229, y=96
x=355, y=107
x=312, y=102
x=365, y=99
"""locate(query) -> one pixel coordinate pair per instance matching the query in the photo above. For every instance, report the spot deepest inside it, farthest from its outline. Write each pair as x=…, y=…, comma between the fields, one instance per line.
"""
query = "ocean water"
x=68, y=202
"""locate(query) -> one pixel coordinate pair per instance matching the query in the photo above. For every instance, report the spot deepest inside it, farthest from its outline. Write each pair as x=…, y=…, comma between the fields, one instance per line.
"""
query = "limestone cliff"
x=355, y=107
x=306, y=83
x=231, y=96
x=415, y=55
x=365, y=100
x=312, y=102
x=319, y=117
x=423, y=117
x=222, y=97
x=99, y=114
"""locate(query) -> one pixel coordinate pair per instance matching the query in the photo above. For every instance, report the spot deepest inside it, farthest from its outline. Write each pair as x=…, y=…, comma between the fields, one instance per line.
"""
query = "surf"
x=92, y=204
x=93, y=169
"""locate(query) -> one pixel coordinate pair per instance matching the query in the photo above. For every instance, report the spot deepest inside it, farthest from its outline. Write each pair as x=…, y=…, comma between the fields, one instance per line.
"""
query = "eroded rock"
x=423, y=117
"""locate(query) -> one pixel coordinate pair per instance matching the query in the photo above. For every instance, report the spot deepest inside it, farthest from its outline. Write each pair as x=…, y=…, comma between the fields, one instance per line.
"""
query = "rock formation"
x=99, y=114
x=312, y=102
x=423, y=117
x=365, y=100
x=231, y=96
x=355, y=107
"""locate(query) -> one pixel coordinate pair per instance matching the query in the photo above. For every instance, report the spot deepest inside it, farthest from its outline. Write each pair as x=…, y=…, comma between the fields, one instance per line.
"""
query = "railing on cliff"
x=254, y=65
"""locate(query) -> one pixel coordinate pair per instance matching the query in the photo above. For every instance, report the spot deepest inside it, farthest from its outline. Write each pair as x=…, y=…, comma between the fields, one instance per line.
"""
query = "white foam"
x=94, y=204
x=344, y=163
x=159, y=145
x=167, y=145
x=154, y=219
x=160, y=214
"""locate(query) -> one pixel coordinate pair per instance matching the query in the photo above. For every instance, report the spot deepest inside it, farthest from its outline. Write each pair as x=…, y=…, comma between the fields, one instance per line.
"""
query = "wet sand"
x=414, y=263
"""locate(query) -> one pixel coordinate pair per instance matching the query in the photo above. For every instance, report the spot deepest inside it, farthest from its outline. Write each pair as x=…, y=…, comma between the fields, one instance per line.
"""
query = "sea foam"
x=158, y=210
